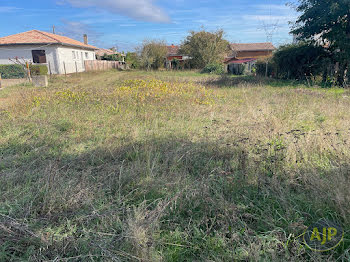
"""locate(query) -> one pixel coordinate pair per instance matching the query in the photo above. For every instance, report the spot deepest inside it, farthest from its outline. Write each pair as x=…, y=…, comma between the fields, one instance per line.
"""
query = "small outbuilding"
x=240, y=66
x=244, y=56
x=61, y=54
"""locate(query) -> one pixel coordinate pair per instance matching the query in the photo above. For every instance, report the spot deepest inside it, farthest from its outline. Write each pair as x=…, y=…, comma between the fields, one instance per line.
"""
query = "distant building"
x=247, y=54
x=173, y=56
x=252, y=50
x=101, y=52
x=61, y=54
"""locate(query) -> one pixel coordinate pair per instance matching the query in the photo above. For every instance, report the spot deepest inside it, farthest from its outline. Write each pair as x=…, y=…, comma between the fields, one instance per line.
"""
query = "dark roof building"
x=247, y=54
x=253, y=47
x=251, y=50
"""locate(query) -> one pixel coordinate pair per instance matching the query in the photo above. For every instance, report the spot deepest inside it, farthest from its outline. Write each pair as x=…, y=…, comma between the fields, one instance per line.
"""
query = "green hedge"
x=12, y=71
x=261, y=68
x=38, y=70
x=214, y=68
x=114, y=57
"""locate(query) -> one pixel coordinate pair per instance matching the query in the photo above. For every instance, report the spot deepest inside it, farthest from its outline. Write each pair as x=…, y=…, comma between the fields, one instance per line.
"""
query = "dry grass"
x=164, y=166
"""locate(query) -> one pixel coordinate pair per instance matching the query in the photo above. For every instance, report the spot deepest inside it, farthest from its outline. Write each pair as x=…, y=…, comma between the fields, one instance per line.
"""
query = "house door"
x=39, y=56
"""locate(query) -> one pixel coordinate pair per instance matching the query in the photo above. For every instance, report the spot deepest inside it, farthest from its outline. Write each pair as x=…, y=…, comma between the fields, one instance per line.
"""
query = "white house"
x=61, y=54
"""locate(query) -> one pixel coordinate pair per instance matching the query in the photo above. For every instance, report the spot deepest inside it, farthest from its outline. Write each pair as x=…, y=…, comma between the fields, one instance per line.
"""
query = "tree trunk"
x=346, y=76
x=324, y=76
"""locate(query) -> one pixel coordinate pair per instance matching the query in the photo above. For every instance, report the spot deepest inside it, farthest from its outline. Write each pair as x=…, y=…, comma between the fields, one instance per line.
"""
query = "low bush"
x=114, y=57
x=38, y=69
x=12, y=71
x=299, y=61
x=132, y=60
x=214, y=69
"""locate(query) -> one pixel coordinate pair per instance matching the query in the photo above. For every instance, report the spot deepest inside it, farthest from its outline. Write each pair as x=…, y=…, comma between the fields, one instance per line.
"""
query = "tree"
x=299, y=61
x=133, y=60
x=326, y=22
x=205, y=48
x=153, y=54
x=114, y=57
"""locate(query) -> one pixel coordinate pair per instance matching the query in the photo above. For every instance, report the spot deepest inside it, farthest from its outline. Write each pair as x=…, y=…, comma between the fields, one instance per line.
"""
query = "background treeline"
x=206, y=49
x=321, y=51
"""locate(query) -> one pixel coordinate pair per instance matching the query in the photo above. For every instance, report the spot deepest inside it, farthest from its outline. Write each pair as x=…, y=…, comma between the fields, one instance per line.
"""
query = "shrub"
x=205, y=47
x=114, y=57
x=299, y=61
x=133, y=60
x=12, y=71
x=153, y=54
x=214, y=68
x=38, y=69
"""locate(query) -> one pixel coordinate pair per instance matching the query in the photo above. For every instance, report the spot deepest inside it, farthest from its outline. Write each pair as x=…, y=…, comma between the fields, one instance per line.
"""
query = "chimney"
x=85, y=39
x=53, y=29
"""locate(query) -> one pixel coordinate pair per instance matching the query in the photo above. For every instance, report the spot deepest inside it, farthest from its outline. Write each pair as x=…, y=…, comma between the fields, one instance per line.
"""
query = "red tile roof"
x=173, y=50
x=40, y=37
x=102, y=51
x=253, y=47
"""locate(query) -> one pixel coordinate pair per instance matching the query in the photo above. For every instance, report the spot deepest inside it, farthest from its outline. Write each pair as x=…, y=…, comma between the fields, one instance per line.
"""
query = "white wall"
x=12, y=52
x=70, y=63
x=57, y=57
x=24, y=52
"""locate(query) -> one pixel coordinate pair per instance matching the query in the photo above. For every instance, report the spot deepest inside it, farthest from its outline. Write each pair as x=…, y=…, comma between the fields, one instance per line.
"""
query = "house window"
x=86, y=55
x=77, y=55
x=73, y=52
x=39, y=56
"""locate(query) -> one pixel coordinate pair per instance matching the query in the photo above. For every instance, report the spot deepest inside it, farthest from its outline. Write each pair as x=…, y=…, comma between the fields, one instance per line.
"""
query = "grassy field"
x=164, y=166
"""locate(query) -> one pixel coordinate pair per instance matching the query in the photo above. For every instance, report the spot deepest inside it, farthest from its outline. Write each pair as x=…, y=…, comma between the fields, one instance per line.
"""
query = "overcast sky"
x=125, y=23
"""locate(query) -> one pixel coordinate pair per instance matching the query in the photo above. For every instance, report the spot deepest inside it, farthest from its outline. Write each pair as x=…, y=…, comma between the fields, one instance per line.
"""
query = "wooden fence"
x=101, y=65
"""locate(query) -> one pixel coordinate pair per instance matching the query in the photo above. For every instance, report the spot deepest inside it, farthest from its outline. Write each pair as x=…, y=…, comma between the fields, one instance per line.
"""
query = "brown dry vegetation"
x=95, y=168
